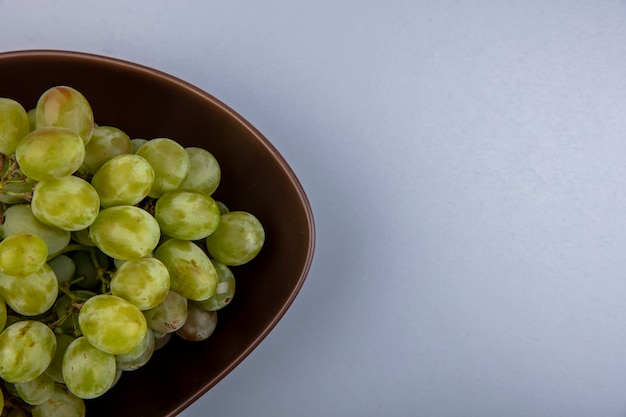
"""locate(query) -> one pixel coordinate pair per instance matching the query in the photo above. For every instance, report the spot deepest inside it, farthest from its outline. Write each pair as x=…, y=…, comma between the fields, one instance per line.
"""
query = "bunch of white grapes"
x=109, y=246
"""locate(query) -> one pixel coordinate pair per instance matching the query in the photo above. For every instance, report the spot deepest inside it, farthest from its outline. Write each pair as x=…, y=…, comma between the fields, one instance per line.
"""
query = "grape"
x=65, y=107
x=200, y=324
x=160, y=342
x=125, y=232
x=64, y=269
x=3, y=313
x=69, y=203
x=237, y=240
x=187, y=214
x=224, y=291
x=168, y=316
x=204, y=173
x=32, y=119
x=61, y=404
x=26, y=350
x=88, y=372
x=137, y=143
x=192, y=274
x=32, y=294
x=123, y=180
x=19, y=218
x=85, y=269
x=136, y=362
x=169, y=161
x=22, y=254
x=50, y=153
x=112, y=324
x=36, y=391
x=82, y=237
x=106, y=142
x=13, y=125
x=143, y=281
x=223, y=207
x=55, y=369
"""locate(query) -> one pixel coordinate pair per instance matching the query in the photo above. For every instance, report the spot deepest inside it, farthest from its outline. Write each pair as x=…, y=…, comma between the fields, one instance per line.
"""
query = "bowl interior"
x=147, y=103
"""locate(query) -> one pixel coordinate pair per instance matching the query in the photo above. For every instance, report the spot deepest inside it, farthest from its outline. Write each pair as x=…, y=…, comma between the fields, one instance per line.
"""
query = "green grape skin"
x=32, y=119
x=187, y=214
x=85, y=270
x=26, y=350
x=55, y=369
x=13, y=125
x=61, y=404
x=88, y=372
x=169, y=161
x=32, y=294
x=200, y=324
x=36, y=391
x=50, y=153
x=161, y=341
x=64, y=269
x=123, y=180
x=223, y=207
x=204, y=171
x=65, y=106
x=112, y=324
x=134, y=363
x=168, y=316
x=143, y=281
x=137, y=351
x=82, y=237
x=3, y=313
x=22, y=254
x=137, y=143
x=224, y=291
x=125, y=232
x=19, y=218
x=237, y=240
x=69, y=203
x=106, y=143
x=192, y=274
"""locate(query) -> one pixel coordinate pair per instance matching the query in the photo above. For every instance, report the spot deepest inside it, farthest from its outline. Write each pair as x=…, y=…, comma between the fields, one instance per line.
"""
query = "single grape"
x=22, y=254
x=64, y=269
x=192, y=274
x=3, y=313
x=13, y=125
x=61, y=404
x=112, y=324
x=204, y=172
x=19, y=218
x=137, y=143
x=88, y=372
x=55, y=369
x=50, y=153
x=168, y=316
x=238, y=238
x=32, y=119
x=26, y=350
x=187, y=214
x=36, y=391
x=169, y=161
x=223, y=207
x=82, y=237
x=32, y=294
x=65, y=107
x=69, y=203
x=106, y=143
x=143, y=281
x=125, y=232
x=200, y=324
x=224, y=291
x=123, y=180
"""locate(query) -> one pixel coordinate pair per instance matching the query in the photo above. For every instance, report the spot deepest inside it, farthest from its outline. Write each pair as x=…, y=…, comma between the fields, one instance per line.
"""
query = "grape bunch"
x=109, y=247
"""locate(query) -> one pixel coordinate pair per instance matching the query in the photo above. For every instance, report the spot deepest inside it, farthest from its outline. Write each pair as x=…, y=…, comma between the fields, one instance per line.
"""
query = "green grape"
x=224, y=291
x=192, y=274
x=64, y=269
x=3, y=313
x=61, y=404
x=134, y=363
x=139, y=350
x=168, y=316
x=123, y=180
x=32, y=294
x=26, y=350
x=69, y=203
x=1, y=401
x=112, y=324
x=36, y=391
x=222, y=206
x=88, y=372
x=204, y=173
x=161, y=341
x=55, y=369
x=237, y=240
x=50, y=153
x=187, y=214
x=82, y=237
x=32, y=119
x=19, y=218
x=22, y=254
x=65, y=107
x=125, y=232
x=13, y=125
x=169, y=161
x=106, y=143
x=85, y=269
x=200, y=324
x=143, y=281
x=137, y=143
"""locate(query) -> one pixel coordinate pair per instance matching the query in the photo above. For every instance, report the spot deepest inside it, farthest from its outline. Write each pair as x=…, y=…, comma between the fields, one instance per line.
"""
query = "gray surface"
x=466, y=164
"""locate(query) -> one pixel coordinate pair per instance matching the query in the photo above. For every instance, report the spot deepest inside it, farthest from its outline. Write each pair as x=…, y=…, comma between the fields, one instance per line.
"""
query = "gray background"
x=466, y=164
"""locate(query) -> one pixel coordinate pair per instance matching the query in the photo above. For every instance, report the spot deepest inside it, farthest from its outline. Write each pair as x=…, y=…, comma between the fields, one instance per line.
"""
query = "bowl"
x=147, y=103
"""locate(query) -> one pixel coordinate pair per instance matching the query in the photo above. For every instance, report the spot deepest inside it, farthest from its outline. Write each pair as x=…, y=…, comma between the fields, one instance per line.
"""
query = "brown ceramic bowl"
x=148, y=103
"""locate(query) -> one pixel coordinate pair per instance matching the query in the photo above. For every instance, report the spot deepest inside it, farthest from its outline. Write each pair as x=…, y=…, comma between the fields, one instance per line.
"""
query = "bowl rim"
x=270, y=148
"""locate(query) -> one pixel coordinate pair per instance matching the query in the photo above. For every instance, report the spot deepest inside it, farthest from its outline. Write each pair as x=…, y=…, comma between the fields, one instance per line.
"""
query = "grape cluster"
x=109, y=246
